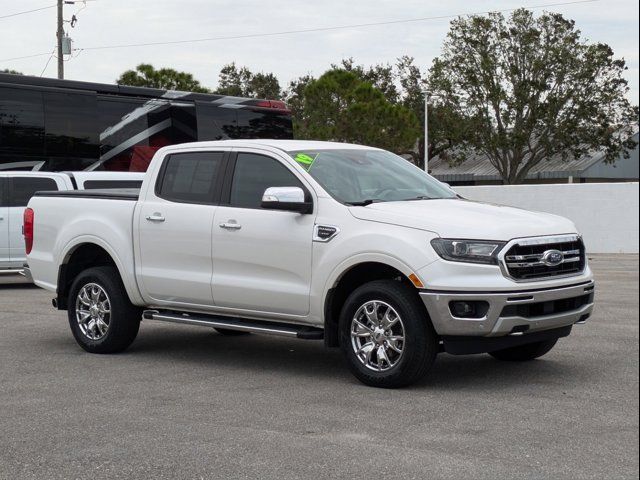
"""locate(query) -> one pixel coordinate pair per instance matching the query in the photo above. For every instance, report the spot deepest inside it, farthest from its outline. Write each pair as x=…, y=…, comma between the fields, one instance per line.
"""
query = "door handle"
x=230, y=226
x=156, y=217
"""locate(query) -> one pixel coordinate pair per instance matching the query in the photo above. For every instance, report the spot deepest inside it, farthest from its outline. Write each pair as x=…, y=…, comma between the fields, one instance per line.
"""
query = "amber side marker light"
x=416, y=281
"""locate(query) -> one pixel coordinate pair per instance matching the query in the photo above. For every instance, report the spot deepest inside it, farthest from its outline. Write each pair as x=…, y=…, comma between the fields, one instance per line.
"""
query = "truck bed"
x=65, y=220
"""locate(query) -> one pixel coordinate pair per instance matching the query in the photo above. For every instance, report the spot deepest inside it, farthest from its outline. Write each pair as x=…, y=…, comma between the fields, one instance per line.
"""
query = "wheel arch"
x=351, y=277
x=86, y=253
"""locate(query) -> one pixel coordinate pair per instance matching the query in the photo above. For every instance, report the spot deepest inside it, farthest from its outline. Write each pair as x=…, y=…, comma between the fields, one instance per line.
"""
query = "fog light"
x=468, y=309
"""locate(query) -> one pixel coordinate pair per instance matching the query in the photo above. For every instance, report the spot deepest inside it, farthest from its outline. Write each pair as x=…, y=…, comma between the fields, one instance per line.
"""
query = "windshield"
x=360, y=177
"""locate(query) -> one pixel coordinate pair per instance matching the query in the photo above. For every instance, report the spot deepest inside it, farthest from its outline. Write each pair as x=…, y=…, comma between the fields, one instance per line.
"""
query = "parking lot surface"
x=185, y=402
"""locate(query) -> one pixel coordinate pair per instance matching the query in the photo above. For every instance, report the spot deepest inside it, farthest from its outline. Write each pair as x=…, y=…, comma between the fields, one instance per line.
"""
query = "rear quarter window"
x=22, y=189
x=191, y=177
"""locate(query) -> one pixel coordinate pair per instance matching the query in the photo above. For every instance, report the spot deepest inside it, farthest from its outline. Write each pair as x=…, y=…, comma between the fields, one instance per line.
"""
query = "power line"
x=26, y=56
x=311, y=30
x=324, y=29
x=26, y=11
x=53, y=52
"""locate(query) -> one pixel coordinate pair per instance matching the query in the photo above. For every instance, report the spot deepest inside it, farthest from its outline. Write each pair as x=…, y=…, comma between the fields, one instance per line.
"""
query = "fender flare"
x=128, y=281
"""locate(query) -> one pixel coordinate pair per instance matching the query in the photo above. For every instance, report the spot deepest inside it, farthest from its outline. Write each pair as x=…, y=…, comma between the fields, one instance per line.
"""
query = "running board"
x=239, y=324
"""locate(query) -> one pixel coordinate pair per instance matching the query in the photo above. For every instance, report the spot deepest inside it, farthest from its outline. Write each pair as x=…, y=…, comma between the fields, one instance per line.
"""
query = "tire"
x=524, y=353
x=122, y=319
x=231, y=333
x=389, y=299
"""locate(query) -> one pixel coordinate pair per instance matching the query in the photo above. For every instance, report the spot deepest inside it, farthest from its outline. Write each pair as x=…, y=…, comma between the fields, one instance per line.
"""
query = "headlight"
x=470, y=251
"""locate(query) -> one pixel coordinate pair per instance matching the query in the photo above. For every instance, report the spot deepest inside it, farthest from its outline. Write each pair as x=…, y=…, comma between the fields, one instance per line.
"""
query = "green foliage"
x=242, y=82
x=403, y=84
x=530, y=88
x=146, y=75
x=13, y=72
x=342, y=107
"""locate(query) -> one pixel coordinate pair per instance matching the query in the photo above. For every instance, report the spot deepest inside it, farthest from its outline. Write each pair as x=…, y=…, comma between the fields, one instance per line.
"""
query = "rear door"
x=21, y=189
x=4, y=222
x=174, y=229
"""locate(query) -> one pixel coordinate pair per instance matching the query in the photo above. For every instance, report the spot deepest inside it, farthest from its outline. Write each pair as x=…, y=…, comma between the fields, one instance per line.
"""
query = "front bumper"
x=514, y=312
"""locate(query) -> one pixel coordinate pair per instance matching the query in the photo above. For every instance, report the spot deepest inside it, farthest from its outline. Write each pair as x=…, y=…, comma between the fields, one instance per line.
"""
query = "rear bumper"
x=511, y=313
x=26, y=271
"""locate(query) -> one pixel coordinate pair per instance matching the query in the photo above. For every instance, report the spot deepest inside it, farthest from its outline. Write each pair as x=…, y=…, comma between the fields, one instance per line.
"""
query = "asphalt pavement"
x=185, y=402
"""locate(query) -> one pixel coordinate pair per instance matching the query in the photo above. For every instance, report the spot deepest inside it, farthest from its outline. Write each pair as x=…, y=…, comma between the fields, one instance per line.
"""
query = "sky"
x=113, y=22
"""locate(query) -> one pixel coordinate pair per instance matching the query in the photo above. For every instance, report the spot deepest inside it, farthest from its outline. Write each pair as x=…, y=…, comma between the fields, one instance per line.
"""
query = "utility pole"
x=60, y=35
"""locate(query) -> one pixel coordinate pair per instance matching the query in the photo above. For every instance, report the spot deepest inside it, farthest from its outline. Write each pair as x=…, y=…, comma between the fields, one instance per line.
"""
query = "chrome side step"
x=240, y=324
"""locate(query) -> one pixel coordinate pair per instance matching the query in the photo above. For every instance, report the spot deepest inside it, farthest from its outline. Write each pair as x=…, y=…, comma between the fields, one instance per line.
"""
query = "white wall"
x=605, y=213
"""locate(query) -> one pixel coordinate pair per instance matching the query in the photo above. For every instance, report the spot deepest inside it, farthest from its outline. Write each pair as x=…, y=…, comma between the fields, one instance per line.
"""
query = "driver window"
x=253, y=174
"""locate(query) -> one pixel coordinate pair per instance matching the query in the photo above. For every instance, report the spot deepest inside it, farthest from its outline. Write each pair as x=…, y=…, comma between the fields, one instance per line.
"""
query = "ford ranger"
x=313, y=240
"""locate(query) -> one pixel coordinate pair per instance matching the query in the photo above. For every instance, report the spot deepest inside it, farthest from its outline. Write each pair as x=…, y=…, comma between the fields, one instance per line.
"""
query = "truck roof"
x=285, y=145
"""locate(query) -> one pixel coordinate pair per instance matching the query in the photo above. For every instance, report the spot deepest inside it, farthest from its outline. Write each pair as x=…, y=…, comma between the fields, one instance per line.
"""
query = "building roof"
x=479, y=168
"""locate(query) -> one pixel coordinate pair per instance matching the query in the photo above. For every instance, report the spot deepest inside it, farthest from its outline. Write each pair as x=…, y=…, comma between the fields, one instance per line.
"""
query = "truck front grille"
x=544, y=258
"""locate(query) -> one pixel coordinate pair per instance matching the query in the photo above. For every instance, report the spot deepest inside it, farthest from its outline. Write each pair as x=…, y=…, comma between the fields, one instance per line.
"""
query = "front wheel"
x=524, y=353
x=386, y=336
x=101, y=317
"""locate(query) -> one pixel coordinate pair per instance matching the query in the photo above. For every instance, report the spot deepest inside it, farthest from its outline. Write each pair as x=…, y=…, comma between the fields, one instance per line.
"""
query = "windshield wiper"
x=364, y=203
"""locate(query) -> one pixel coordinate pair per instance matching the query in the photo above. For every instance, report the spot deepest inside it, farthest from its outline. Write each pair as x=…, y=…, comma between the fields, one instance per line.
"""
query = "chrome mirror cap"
x=283, y=195
x=286, y=198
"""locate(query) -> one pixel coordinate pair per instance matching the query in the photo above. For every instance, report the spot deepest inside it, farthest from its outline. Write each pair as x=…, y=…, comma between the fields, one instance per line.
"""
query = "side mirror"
x=286, y=198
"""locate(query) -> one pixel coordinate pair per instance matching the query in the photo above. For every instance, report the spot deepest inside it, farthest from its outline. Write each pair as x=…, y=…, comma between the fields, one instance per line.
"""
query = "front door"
x=4, y=224
x=174, y=229
x=261, y=258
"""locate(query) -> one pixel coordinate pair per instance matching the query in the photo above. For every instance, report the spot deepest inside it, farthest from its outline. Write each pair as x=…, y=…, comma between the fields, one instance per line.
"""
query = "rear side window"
x=3, y=192
x=191, y=177
x=253, y=174
x=96, y=184
x=23, y=188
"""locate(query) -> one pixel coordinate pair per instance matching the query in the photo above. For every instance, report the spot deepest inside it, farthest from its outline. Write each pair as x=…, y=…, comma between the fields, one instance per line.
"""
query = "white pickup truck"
x=314, y=240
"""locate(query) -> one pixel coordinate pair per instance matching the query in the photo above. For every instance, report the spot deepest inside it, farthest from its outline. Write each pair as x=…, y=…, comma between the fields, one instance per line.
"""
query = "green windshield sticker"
x=305, y=160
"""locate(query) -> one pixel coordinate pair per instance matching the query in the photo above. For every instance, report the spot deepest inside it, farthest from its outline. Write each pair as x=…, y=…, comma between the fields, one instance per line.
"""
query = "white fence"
x=605, y=213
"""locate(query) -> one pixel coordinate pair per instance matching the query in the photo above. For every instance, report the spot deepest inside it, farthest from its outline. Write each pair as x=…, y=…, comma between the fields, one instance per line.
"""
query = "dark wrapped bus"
x=56, y=125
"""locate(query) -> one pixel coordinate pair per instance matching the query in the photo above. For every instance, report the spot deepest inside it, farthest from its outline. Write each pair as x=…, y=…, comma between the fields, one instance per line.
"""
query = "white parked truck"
x=314, y=240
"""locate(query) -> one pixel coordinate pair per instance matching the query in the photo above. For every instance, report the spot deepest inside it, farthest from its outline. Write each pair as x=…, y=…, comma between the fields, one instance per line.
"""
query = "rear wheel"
x=385, y=335
x=101, y=317
x=524, y=353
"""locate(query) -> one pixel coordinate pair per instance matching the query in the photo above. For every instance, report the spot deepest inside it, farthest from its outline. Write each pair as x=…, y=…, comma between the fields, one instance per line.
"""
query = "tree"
x=13, y=72
x=446, y=128
x=382, y=77
x=340, y=106
x=403, y=84
x=146, y=75
x=294, y=96
x=242, y=82
x=531, y=88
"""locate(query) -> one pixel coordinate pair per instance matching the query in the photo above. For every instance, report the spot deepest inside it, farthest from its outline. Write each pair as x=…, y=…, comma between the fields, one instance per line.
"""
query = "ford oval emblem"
x=552, y=258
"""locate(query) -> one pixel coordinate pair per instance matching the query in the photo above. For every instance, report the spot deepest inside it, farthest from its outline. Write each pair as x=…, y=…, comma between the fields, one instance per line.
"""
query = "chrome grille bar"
x=540, y=264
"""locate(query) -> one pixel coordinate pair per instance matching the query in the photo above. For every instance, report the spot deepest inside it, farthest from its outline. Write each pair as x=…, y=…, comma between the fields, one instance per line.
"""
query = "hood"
x=458, y=218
